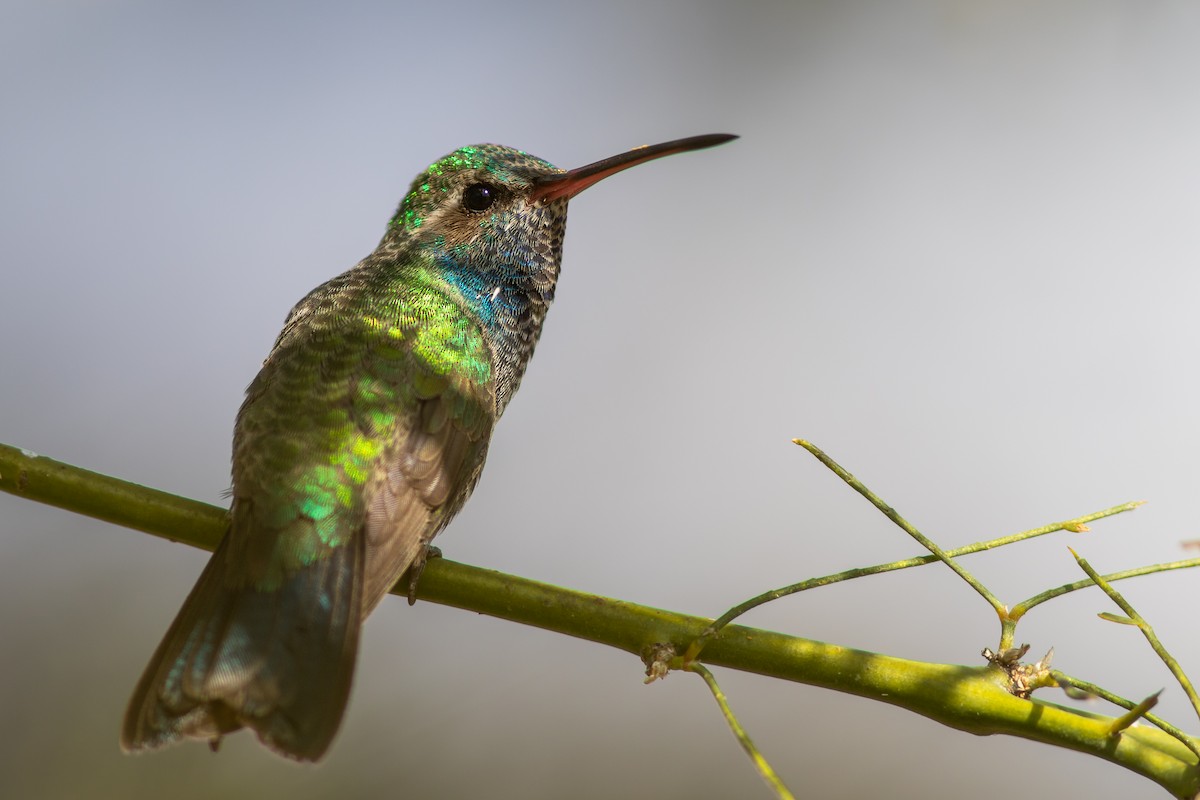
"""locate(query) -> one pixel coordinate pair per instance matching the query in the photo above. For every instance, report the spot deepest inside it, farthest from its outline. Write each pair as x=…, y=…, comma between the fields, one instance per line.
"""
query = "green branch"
x=54, y=483
x=972, y=699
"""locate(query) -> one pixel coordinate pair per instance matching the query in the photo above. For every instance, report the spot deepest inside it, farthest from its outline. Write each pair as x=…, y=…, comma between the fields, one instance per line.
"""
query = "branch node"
x=1023, y=679
x=657, y=658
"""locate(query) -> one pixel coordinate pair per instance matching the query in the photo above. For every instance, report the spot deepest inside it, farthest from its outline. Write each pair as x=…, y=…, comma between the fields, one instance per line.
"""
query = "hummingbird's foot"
x=214, y=744
x=418, y=566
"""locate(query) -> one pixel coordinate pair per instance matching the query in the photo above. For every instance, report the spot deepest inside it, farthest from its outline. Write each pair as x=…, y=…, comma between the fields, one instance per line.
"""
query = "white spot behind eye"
x=495, y=293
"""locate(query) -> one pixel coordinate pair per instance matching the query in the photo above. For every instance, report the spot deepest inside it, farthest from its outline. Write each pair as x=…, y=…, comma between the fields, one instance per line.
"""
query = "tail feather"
x=279, y=662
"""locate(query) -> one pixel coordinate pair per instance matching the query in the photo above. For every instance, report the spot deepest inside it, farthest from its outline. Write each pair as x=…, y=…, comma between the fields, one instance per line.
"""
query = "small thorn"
x=1133, y=715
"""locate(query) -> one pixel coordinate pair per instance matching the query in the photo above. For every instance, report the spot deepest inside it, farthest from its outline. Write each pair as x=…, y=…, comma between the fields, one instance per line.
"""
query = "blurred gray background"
x=956, y=246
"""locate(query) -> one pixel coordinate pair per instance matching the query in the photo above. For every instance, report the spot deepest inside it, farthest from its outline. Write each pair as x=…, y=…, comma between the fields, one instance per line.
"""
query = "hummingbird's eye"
x=479, y=197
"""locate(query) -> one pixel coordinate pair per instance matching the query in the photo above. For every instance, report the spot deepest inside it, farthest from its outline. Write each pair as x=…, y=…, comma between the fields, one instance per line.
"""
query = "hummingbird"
x=362, y=436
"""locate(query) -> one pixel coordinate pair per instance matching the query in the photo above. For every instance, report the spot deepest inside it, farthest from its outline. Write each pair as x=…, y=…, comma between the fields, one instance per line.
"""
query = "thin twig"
x=1022, y=608
x=1077, y=524
x=1146, y=630
x=904, y=525
x=760, y=762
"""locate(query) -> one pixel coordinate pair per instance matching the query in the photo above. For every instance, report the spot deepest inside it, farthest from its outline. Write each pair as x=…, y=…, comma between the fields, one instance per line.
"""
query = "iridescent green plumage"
x=360, y=438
